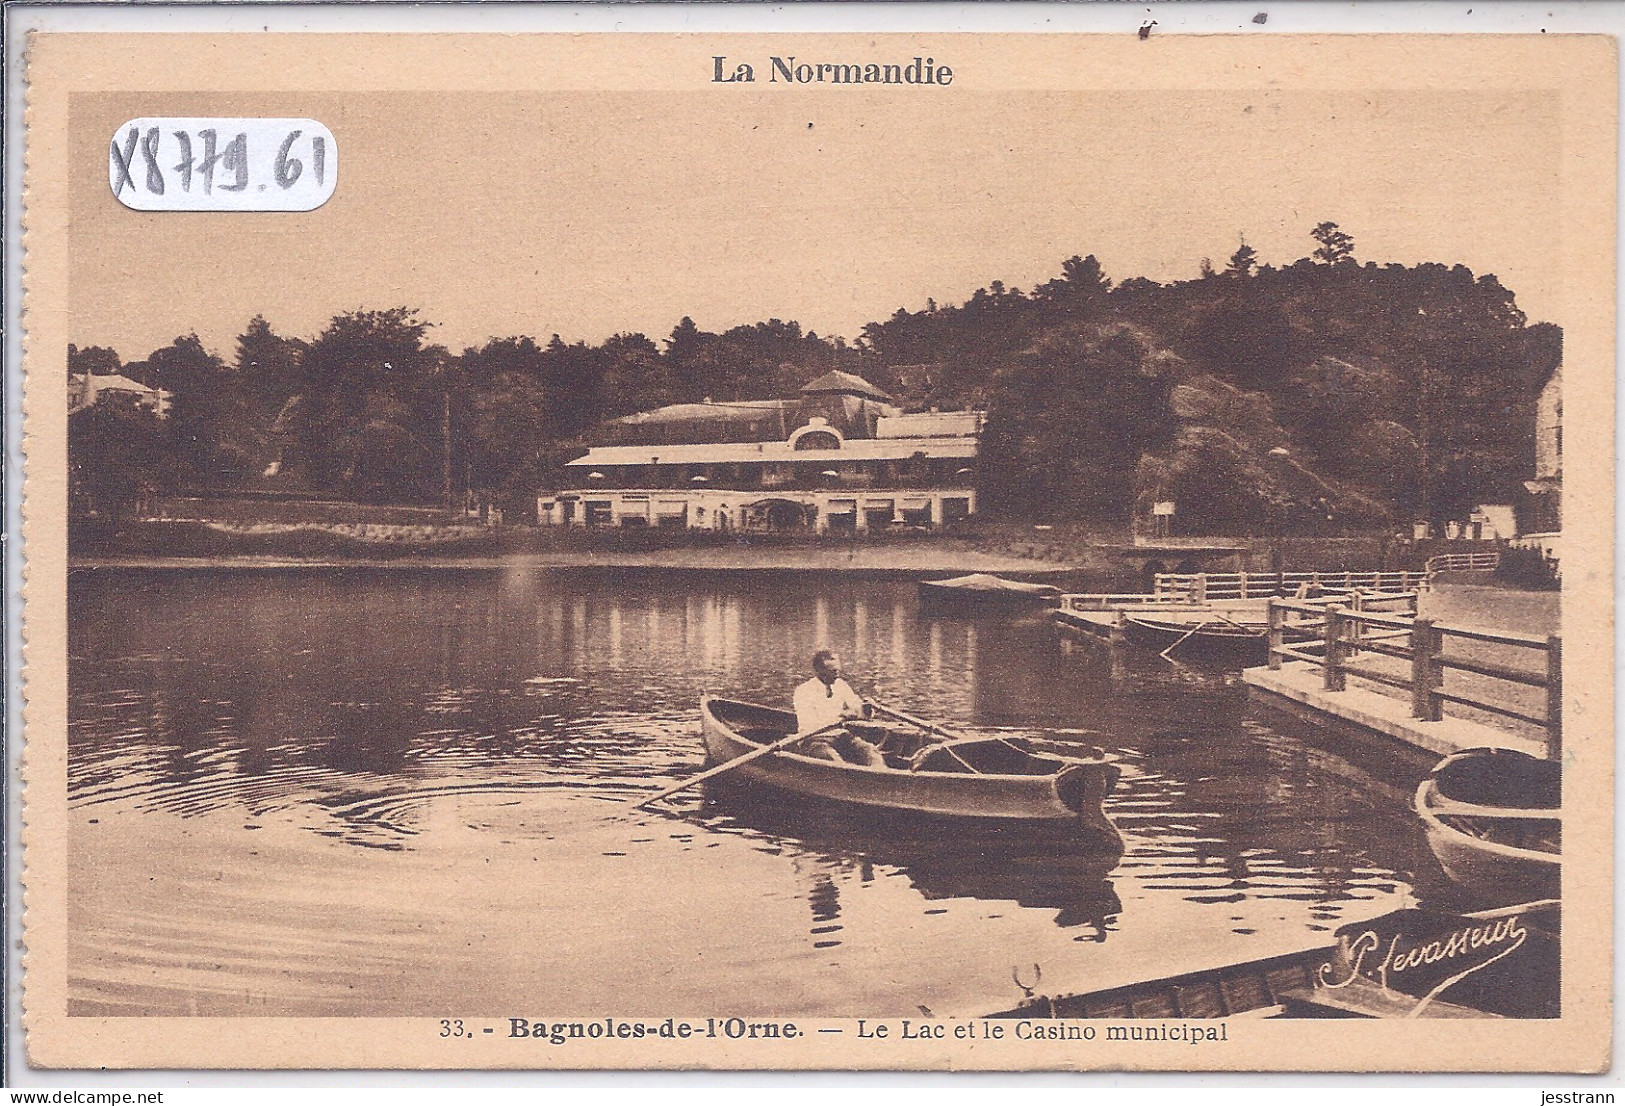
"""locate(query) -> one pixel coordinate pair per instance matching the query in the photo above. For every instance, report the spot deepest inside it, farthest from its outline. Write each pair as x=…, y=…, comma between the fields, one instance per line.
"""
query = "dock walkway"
x=1297, y=689
x=1435, y=687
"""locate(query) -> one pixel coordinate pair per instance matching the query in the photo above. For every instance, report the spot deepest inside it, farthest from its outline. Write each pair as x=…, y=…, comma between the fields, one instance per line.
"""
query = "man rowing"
x=825, y=701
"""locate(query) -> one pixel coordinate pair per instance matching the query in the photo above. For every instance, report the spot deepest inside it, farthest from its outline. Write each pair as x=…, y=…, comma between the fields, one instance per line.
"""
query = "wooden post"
x=1332, y=678
x=1276, y=618
x=1425, y=673
x=1554, y=697
x=1201, y=587
x=1421, y=636
x=1243, y=577
x=1435, y=674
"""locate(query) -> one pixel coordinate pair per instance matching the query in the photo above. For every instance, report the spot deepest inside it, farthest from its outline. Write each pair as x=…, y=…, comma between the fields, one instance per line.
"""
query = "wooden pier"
x=1204, y=587
x=1399, y=692
x=1233, y=597
x=1347, y=651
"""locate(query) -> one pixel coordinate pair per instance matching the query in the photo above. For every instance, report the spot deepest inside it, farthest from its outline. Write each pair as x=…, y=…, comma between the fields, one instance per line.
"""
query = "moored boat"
x=998, y=779
x=1223, y=632
x=1200, y=634
x=983, y=589
x=1494, y=820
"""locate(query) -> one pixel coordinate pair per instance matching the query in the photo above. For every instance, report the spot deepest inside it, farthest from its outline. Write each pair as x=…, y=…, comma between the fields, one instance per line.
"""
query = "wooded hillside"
x=1328, y=392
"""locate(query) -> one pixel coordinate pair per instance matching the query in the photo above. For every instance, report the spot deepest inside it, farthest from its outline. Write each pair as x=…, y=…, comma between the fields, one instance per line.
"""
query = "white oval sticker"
x=223, y=164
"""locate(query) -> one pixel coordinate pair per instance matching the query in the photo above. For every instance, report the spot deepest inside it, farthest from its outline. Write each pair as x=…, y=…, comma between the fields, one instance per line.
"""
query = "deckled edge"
x=17, y=752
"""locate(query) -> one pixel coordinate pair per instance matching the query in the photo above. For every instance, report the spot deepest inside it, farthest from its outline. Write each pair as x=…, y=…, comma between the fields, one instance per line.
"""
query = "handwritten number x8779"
x=232, y=161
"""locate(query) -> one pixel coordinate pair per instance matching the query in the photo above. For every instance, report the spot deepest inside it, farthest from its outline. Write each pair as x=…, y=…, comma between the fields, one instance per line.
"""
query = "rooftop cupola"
x=837, y=383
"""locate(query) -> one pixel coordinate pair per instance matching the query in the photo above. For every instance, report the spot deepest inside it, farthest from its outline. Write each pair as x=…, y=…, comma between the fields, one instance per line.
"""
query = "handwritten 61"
x=222, y=164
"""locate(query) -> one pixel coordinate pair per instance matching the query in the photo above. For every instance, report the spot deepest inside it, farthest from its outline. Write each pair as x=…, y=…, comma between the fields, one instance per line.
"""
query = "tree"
x=1069, y=421
x=376, y=396
x=93, y=360
x=478, y=366
x=684, y=341
x=208, y=421
x=1242, y=261
x=1082, y=282
x=117, y=451
x=1335, y=248
x=771, y=359
x=270, y=367
x=1474, y=413
x=573, y=374
x=519, y=403
x=504, y=429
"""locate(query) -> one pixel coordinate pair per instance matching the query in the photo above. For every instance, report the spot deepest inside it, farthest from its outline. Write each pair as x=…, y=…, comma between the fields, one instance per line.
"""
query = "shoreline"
x=877, y=561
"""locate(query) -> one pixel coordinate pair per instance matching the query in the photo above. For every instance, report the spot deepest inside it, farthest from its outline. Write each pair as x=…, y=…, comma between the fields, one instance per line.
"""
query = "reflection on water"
x=335, y=793
x=1029, y=868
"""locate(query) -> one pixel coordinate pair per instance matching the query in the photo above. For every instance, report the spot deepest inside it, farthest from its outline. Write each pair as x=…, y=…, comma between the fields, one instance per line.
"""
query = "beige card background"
x=83, y=252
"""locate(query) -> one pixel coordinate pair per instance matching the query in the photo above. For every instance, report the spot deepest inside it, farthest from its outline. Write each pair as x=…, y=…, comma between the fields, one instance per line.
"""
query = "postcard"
x=819, y=551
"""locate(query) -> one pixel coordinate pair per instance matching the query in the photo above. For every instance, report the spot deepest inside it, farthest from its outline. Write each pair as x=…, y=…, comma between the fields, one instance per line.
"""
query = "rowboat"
x=996, y=779
x=1230, y=632
x=1494, y=819
x=982, y=589
x=1205, y=634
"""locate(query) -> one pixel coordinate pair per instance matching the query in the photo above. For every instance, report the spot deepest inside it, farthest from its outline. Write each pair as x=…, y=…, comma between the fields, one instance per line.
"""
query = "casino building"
x=838, y=458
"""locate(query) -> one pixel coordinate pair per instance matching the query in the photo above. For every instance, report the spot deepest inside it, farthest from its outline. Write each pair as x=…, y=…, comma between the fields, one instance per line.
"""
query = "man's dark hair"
x=823, y=655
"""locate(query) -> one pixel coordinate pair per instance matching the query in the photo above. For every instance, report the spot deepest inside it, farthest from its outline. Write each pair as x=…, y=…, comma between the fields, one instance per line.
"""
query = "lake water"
x=350, y=793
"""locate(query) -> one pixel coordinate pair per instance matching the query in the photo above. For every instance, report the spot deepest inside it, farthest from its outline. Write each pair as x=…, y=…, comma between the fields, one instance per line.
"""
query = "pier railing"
x=1485, y=561
x=1201, y=587
x=1114, y=600
x=1334, y=637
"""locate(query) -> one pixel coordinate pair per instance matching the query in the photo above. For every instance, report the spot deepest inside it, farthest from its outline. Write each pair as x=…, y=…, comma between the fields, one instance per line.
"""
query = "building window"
x=916, y=512
x=842, y=517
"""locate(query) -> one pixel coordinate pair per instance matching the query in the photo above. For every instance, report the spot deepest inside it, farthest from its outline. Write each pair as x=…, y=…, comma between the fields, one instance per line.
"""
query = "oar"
x=1251, y=632
x=711, y=773
x=929, y=727
x=1188, y=635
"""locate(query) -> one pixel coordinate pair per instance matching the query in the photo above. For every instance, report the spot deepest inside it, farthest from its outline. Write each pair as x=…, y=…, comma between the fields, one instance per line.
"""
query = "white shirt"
x=818, y=706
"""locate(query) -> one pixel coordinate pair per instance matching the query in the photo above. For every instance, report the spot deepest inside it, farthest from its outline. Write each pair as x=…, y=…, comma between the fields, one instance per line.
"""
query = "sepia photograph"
x=820, y=552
